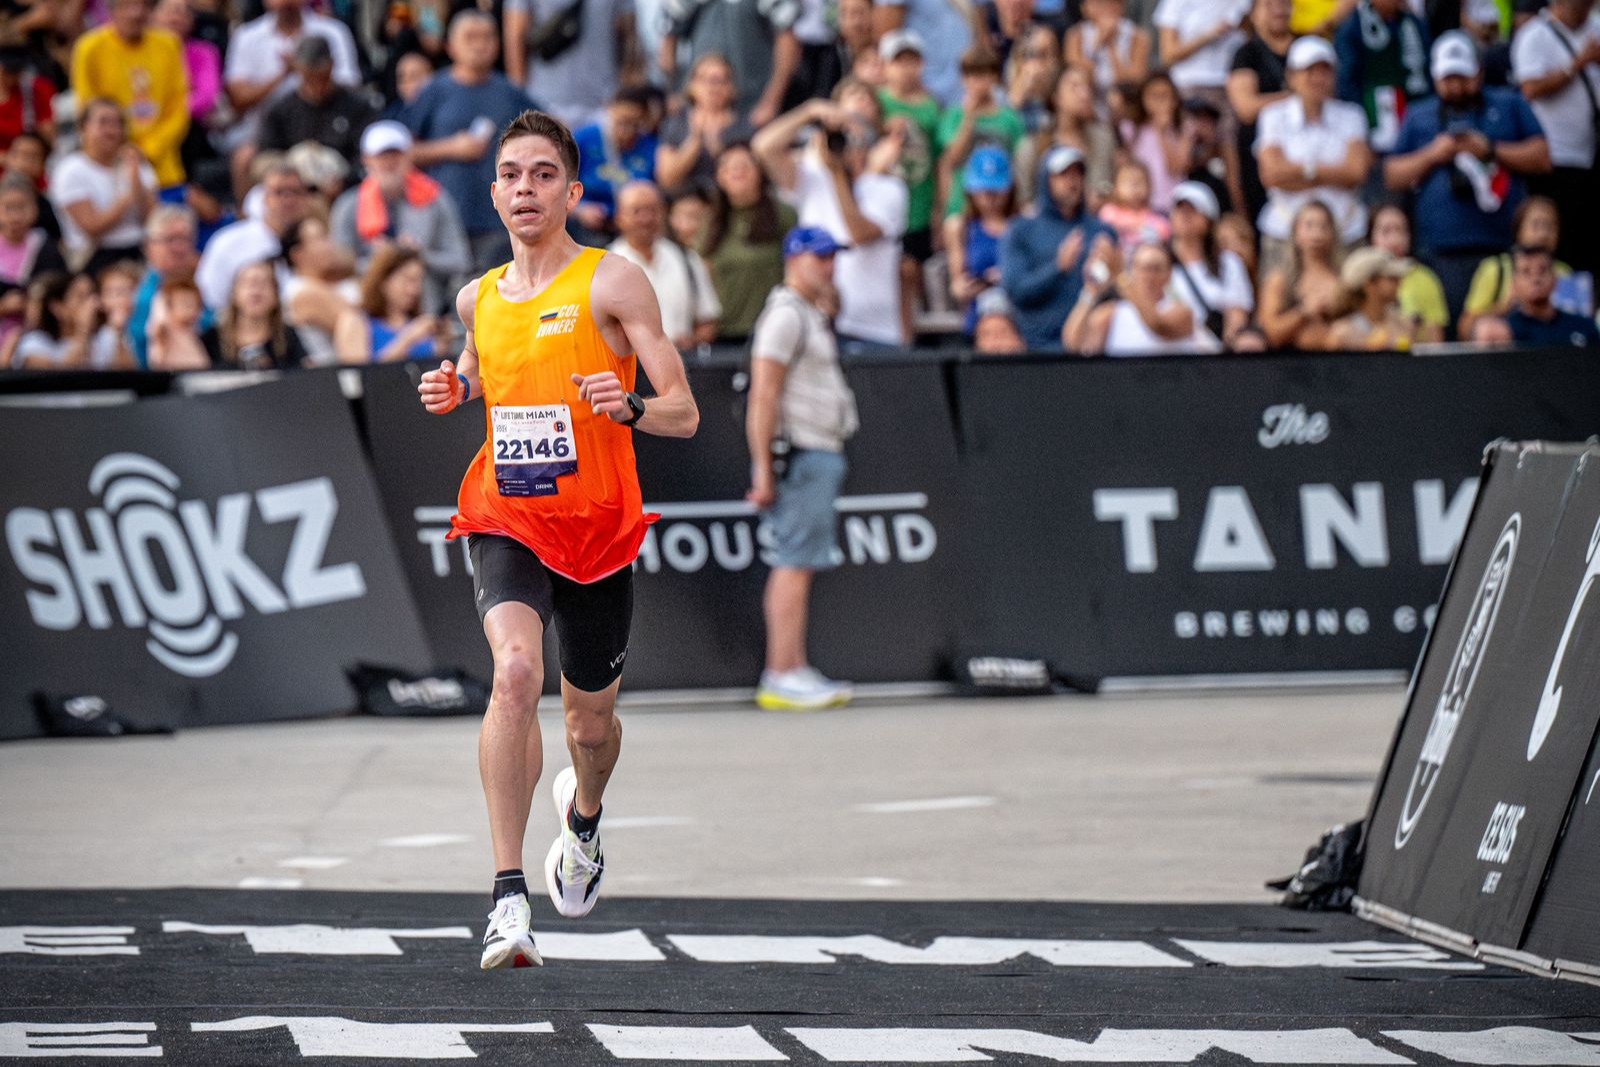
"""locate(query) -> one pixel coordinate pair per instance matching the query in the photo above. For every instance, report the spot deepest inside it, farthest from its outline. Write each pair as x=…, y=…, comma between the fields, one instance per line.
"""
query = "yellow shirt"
x=1422, y=298
x=1491, y=284
x=1309, y=16
x=150, y=82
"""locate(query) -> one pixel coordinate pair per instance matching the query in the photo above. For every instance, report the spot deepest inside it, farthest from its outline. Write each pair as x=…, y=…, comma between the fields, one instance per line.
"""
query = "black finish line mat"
x=255, y=977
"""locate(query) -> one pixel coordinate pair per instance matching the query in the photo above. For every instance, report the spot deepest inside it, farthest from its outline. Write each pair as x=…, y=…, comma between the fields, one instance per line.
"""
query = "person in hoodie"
x=1044, y=254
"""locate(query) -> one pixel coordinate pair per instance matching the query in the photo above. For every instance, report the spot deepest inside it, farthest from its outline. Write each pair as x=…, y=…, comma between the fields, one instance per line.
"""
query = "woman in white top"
x=1106, y=43
x=1198, y=39
x=102, y=192
x=1144, y=320
x=1213, y=281
x=1311, y=146
x=66, y=329
x=319, y=289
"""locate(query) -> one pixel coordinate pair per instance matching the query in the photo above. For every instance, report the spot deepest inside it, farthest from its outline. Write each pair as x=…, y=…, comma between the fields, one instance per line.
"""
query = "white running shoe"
x=509, y=942
x=572, y=870
x=802, y=689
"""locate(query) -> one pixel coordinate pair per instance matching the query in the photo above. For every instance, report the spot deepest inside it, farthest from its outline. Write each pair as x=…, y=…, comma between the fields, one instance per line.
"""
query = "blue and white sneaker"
x=573, y=869
x=509, y=942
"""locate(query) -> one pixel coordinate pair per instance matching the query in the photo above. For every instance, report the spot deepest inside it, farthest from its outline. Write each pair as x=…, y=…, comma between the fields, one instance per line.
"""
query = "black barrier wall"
x=1483, y=823
x=1149, y=517
x=196, y=560
x=1284, y=514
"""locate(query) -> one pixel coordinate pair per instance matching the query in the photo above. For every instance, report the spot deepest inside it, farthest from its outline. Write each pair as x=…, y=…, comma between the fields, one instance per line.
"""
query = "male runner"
x=551, y=506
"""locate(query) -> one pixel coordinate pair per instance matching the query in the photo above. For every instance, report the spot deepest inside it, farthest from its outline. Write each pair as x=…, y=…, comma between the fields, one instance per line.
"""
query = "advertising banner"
x=1239, y=516
x=196, y=560
x=699, y=577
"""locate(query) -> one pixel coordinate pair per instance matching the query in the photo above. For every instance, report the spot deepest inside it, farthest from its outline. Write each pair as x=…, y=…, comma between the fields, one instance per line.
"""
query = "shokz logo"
x=1550, y=699
x=176, y=569
x=1459, y=678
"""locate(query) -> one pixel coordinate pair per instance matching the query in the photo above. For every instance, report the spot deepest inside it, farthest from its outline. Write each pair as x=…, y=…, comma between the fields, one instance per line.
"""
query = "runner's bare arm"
x=440, y=389
x=623, y=295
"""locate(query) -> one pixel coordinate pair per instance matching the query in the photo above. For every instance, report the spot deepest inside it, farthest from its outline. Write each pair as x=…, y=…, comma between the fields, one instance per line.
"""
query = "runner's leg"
x=594, y=737
x=510, y=752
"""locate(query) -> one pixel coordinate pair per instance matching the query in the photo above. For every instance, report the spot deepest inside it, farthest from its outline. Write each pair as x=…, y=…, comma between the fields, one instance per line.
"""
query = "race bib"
x=533, y=446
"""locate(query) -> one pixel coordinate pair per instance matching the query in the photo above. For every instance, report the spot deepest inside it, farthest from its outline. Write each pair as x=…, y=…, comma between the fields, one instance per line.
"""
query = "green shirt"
x=918, y=162
x=743, y=272
x=1003, y=127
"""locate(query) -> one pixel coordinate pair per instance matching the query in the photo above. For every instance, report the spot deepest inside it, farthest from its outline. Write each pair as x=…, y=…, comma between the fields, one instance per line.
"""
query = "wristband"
x=466, y=388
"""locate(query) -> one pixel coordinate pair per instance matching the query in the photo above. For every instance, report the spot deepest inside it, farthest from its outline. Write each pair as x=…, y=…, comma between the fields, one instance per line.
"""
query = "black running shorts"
x=592, y=621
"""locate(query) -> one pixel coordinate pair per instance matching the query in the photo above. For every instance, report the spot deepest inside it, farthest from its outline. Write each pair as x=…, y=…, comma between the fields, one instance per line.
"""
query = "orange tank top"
x=551, y=474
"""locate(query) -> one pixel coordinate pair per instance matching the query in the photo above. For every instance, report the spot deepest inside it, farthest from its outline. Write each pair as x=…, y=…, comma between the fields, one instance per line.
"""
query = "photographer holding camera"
x=844, y=181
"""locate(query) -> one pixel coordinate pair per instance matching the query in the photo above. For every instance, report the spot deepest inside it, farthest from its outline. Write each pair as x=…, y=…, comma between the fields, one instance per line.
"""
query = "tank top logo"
x=558, y=321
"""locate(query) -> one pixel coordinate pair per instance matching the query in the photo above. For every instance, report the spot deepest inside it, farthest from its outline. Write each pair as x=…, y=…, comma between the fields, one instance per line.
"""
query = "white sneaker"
x=802, y=689
x=508, y=942
x=572, y=870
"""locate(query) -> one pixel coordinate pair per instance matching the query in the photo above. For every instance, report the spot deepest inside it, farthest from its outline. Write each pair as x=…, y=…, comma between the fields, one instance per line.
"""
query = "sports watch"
x=636, y=405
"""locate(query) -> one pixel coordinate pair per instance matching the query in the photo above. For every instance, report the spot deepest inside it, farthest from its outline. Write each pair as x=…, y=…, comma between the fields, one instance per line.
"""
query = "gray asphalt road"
x=1170, y=798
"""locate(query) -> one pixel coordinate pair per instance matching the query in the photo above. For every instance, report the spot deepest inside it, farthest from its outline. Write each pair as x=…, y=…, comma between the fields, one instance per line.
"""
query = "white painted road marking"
x=943, y=952
x=305, y=939
x=314, y=863
x=425, y=840
x=332, y=1036
x=625, y=946
x=701, y=1044
x=1328, y=1046
x=902, y=807
x=1515, y=1045
x=67, y=940
x=1338, y=954
x=37, y=1040
x=256, y=882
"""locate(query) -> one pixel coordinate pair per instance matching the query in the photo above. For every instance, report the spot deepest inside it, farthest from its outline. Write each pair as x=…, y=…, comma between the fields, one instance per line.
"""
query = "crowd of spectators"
x=278, y=183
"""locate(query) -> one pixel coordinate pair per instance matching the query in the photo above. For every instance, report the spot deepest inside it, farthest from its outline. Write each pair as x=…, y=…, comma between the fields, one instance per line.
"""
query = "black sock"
x=509, y=883
x=584, y=827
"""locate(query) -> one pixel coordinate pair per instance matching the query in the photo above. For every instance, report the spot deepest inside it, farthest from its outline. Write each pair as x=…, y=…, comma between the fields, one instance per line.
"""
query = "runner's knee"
x=592, y=728
x=518, y=678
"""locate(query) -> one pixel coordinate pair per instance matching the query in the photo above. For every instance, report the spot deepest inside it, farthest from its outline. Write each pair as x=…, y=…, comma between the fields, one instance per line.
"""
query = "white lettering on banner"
x=905, y=1045
x=1303, y=622
x=1521, y=1045
x=1500, y=836
x=1324, y=516
x=1550, y=698
x=1232, y=538
x=1439, y=528
x=309, y=940
x=1138, y=510
x=697, y=1044
x=1230, y=535
x=178, y=570
x=1289, y=424
x=67, y=940
x=1460, y=675
x=333, y=1036
x=1361, y=955
x=941, y=952
x=433, y=527
x=55, y=1040
x=1491, y=883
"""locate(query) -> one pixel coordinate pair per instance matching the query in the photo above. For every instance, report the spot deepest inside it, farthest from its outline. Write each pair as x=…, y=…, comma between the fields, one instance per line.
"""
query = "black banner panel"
x=196, y=560
x=887, y=613
x=1202, y=517
x=1482, y=775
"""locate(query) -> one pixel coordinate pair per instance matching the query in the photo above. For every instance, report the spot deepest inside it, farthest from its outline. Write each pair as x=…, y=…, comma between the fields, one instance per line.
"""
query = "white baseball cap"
x=1307, y=52
x=1061, y=157
x=385, y=135
x=1454, y=56
x=894, y=42
x=1199, y=196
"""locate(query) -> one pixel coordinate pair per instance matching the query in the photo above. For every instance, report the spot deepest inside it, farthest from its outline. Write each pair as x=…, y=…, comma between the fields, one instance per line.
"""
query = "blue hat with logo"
x=809, y=239
x=988, y=171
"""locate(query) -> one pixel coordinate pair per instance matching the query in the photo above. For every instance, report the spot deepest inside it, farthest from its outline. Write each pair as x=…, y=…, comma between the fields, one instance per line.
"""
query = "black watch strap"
x=636, y=403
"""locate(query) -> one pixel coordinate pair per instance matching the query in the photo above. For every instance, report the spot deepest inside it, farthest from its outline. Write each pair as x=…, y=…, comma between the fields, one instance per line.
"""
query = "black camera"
x=837, y=141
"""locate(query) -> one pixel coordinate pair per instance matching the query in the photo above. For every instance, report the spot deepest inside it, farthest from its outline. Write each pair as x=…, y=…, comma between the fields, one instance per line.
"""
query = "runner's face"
x=531, y=190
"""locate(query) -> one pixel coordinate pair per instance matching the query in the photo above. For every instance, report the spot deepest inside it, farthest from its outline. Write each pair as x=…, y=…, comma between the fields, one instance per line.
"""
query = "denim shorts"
x=802, y=521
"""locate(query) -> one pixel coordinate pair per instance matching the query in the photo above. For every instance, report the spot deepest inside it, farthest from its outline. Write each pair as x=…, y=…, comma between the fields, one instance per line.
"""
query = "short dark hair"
x=552, y=129
x=980, y=59
x=1521, y=252
x=640, y=96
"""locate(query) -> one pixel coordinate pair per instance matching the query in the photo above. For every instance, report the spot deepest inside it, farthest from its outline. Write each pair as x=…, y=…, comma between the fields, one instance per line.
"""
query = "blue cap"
x=988, y=171
x=812, y=239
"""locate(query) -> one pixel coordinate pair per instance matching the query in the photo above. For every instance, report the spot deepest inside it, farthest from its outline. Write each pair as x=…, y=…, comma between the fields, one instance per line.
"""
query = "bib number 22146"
x=533, y=446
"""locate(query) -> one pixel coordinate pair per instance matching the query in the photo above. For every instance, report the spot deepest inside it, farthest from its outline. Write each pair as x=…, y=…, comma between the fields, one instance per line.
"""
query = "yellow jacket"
x=150, y=81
